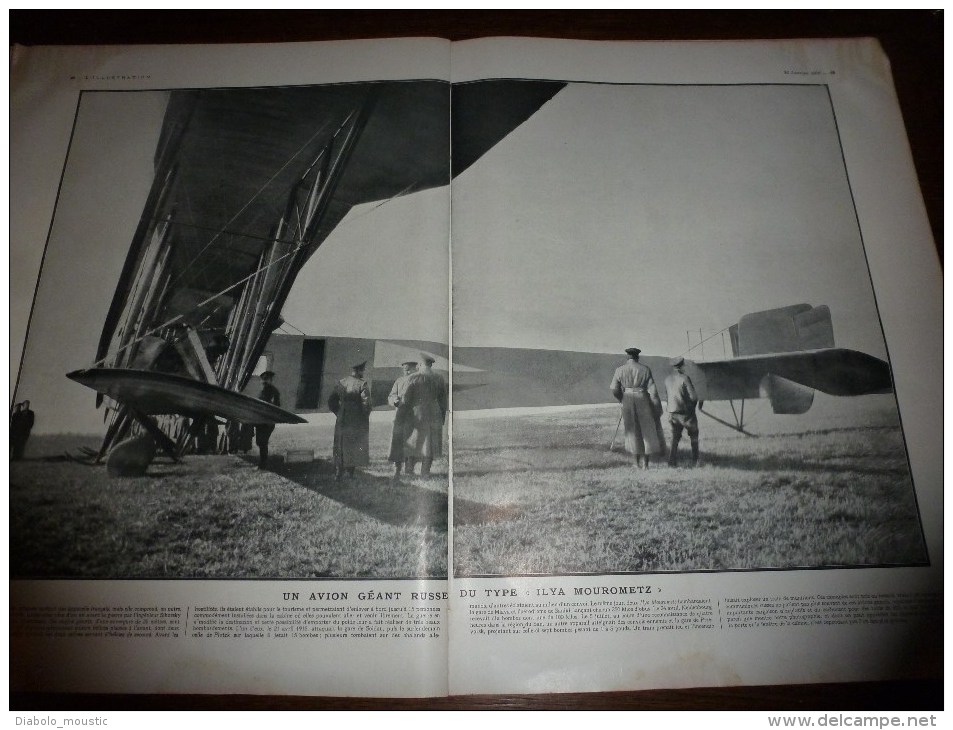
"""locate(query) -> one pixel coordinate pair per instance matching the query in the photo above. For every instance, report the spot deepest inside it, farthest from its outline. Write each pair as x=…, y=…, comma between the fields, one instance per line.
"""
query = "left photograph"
x=237, y=359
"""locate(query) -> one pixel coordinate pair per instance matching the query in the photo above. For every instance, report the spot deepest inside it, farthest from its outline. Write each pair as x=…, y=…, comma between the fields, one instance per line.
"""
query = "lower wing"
x=155, y=393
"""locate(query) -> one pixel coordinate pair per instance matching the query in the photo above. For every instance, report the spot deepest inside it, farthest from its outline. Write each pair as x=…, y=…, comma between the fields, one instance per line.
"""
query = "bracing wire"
x=702, y=342
x=289, y=324
x=223, y=230
x=292, y=252
x=201, y=304
x=258, y=192
x=395, y=196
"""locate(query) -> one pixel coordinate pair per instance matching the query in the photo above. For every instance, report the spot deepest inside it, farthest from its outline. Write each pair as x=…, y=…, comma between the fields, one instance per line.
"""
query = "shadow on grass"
x=401, y=502
x=524, y=466
x=153, y=472
x=775, y=462
x=466, y=512
x=51, y=459
x=509, y=464
x=393, y=502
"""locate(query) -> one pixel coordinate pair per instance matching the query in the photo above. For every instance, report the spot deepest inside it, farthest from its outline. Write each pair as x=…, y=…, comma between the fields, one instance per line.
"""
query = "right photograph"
x=667, y=353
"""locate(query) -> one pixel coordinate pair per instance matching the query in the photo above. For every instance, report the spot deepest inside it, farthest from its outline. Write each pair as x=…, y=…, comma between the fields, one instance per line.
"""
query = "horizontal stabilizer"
x=835, y=371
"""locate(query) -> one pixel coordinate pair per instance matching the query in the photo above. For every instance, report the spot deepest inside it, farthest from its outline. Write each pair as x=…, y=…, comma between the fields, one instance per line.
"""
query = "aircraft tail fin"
x=786, y=329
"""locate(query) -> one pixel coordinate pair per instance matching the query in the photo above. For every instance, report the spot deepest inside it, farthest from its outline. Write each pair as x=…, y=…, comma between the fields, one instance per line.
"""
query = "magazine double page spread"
x=413, y=368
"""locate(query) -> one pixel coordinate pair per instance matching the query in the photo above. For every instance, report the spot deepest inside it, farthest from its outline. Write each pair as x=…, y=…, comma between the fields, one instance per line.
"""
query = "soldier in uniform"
x=403, y=416
x=269, y=393
x=426, y=396
x=682, y=400
x=633, y=386
x=351, y=403
x=21, y=423
x=239, y=436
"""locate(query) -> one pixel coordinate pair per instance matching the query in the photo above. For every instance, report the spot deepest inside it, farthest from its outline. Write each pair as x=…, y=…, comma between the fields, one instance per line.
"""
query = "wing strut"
x=149, y=424
x=739, y=423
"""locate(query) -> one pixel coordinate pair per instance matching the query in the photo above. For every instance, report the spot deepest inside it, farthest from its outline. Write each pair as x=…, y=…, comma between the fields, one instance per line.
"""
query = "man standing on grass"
x=21, y=423
x=351, y=404
x=402, y=418
x=269, y=393
x=426, y=396
x=682, y=400
x=633, y=386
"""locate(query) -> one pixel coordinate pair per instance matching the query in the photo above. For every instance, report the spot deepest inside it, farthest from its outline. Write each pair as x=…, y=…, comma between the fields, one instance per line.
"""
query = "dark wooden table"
x=913, y=40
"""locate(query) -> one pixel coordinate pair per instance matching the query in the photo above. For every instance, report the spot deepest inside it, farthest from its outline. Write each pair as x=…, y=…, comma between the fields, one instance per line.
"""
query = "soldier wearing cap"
x=21, y=423
x=402, y=418
x=633, y=386
x=269, y=393
x=426, y=397
x=351, y=403
x=681, y=401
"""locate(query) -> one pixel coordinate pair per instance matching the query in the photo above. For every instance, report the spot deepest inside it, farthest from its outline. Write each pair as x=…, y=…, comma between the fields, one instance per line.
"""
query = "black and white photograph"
x=406, y=367
x=240, y=290
x=667, y=351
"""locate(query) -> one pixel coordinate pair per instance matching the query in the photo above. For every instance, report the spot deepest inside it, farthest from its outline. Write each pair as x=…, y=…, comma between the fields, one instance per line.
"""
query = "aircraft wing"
x=835, y=370
x=154, y=393
x=249, y=183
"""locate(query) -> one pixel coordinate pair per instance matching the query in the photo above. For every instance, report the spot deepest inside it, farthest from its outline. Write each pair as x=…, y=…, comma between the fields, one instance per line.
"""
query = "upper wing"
x=835, y=370
x=249, y=183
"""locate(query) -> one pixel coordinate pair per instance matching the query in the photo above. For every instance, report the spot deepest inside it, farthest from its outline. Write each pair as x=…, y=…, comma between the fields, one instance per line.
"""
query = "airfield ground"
x=827, y=488
x=219, y=517
x=535, y=492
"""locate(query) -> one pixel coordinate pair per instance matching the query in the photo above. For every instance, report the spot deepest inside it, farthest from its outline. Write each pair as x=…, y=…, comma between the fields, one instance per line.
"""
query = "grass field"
x=534, y=493
x=219, y=517
x=542, y=494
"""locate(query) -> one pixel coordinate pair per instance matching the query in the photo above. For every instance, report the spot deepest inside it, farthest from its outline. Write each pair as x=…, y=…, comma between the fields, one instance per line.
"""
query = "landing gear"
x=739, y=423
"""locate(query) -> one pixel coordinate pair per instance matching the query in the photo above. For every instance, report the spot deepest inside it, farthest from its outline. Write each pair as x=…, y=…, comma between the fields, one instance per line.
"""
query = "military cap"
x=359, y=366
x=677, y=361
x=427, y=358
x=409, y=362
x=267, y=374
x=632, y=351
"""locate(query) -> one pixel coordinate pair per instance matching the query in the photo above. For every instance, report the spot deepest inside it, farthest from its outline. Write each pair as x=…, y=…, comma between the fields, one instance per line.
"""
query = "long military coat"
x=634, y=386
x=269, y=393
x=403, y=418
x=351, y=403
x=21, y=423
x=426, y=396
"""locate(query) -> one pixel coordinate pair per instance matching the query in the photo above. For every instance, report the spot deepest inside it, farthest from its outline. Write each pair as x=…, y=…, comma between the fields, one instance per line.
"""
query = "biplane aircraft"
x=249, y=183
x=783, y=355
